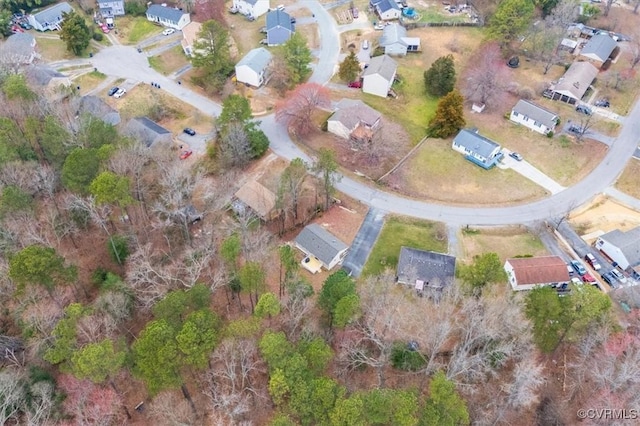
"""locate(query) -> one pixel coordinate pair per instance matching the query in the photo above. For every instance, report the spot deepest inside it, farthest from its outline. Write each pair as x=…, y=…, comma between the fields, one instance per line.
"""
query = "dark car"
x=608, y=278
x=604, y=103
x=575, y=129
x=584, y=109
x=293, y=20
x=189, y=131
x=113, y=91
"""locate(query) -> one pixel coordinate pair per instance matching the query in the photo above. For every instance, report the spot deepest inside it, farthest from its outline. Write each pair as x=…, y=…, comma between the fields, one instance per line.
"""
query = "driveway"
x=533, y=174
x=364, y=242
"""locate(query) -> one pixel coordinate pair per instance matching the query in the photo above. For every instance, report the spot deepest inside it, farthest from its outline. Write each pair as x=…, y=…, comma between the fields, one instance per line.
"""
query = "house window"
x=515, y=114
x=535, y=123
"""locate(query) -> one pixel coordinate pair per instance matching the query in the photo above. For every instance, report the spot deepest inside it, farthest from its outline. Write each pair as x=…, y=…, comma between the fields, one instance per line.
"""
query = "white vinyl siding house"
x=50, y=18
x=395, y=41
x=252, y=68
x=168, y=16
x=534, y=117
x=476, y=148
x=621, y=247
x=318, y=243
x=111, y=8
x=386, y=10
x=255, y=8
x=379, y=76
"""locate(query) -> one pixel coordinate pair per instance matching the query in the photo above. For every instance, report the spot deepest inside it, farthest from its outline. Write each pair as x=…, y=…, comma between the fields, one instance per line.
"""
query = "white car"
x=120, y=93
x=168, y=31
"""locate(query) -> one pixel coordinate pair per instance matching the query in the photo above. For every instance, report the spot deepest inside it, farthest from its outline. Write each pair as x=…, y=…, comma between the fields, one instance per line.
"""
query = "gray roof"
x=20, y=43
x=168, y=13
x=53, y=13
x=146, y=130
x=383, y=65
x=628, y=242
x=42, y=75
x=536, y=112
x=435, y=269
x=252, y=2
x=392, y=33
x=600, y=45
x=98, y=108
x=279, y=18
x=320, y=243
x=384, y=5
x=475, y=143
x=577, y=79
x=257, y=59
x=108, y=1
x=353, y=112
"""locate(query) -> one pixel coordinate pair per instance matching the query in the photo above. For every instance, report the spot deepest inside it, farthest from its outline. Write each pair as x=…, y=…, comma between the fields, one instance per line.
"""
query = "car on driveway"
x=578, y=267
x=120, y=93
x=591, y=260
x=584, y=109
x=113, y=91
x=355, y=84
x=575, y=129
x=168, y=31
x=603, y=103
x=189, y=131
x=516, y=156
x=104, y=28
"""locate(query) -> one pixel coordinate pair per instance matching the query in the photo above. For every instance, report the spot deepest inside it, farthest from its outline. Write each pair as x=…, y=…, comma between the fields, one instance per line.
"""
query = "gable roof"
x=146, y=130
x=600, y=46
x=98, y=108
x=251, y=2
x=536, y=112
x=320, y=243
x=279, y=18
x=384, y=5
x=42, y=75
x=20, y=44
x=257, y=59
x=260, y=199
x=393, y=33
x=353, y=112
x=628, y=242
x=190, y=33
x=382, y=65
x=168, y=13
x=151, y=125
x=577, y=79
x=435, y=269
x=475, y=142
x=539, y=270
x=52, y=14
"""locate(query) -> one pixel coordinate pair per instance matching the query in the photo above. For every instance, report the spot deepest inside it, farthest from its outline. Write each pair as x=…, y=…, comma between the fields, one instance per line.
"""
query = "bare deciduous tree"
x=485, y=80
x=235, y=147
x=296, y=111
x=170, y=409
x=13, y=395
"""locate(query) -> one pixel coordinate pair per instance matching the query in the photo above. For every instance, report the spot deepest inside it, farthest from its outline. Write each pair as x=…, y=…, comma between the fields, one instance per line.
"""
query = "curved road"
x=126, y=62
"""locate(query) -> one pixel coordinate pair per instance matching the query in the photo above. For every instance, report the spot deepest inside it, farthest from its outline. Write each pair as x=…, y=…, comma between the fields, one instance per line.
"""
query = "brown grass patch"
x=310, y=32
x=169, y=61
x=506, y=242
x=629, y=181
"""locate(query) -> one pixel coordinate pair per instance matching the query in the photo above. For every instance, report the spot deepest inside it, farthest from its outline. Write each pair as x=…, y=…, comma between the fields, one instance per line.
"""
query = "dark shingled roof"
x=435, y=269
x=320, y=243
x=167, y=13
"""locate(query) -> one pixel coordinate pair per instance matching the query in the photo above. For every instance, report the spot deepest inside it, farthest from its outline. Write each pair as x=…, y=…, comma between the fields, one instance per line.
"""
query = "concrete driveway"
x=364, y=242
x=530, y=172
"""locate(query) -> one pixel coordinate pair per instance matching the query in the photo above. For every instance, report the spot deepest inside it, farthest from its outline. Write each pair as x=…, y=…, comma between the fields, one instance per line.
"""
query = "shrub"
x=97, y=36
x=135, y=8
x=118, y=248
x=406, y=359
x=550, y=134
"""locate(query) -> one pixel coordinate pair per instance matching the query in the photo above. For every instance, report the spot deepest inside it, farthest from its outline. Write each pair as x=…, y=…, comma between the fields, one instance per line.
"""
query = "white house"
x=529, y=272
x=50, y=18
x=534, y=117
x=351, y=115
x=322, y=249
x=253, y=67
x=379, y=76
x=253, y=8
x=168, y=16
x=189, y=36
x=111, y=8
x=387, y=10
x=621, y=247
x=476, y=148
x=395, y=41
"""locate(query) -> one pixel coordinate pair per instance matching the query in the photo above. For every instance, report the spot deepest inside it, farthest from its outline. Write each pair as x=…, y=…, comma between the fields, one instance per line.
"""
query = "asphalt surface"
x=364, y=242
x=126, y=62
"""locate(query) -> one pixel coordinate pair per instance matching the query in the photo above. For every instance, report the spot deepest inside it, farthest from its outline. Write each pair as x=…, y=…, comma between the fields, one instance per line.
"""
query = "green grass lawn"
x=53, y=49
x=417, y=107
x=134, y=29
x=398, y=232
x=89, y=81
x=436, y=16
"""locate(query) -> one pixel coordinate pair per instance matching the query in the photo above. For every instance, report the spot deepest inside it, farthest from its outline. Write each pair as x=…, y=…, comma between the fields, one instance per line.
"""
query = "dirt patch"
x=602, y=216
x=506, y=242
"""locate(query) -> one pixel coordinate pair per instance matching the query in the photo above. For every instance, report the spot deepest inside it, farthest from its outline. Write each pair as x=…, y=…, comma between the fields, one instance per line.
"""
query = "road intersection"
x=125, y=62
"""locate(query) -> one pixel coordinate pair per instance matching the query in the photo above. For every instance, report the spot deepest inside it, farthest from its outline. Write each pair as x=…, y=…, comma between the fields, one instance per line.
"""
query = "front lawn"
x=169, y=61
x=89, y=81
x=506, y=242
x=53, y=49
x=629, y=181
x=401, y=231
x=134, y=29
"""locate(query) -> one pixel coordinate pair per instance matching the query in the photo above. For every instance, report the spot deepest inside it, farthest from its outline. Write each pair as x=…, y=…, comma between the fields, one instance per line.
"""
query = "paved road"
x=126, y=62
x=364, y=242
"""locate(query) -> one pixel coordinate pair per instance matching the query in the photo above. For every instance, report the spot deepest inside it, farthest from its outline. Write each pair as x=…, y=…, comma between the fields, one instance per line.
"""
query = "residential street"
x=126, y=62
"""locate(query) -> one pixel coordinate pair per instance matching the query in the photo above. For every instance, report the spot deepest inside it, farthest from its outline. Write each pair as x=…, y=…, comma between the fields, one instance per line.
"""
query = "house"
x=534, y=117
x=253, y=67
x=50, y=18
x=623, y=248
x=97, y=108
x=351, y=115
x=18, y=49
x=168, y=16
x=574, y=83
x=479, y=150
x=321, y=248
x=110, y=8
x=394, y=40
x=52, y=83
x=255, y=8
x=279, y=27
x=386, y=10
x=147, y=131
x=425, y=270
x=260, y=200
x=379, y=76
x=189, y=36
x=529, y=272
x=599, y=48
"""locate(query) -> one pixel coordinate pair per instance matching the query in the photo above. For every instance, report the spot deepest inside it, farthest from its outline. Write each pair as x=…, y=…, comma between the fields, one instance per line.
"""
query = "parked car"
x=168, y=31
x=578, y=267
x=365, y=45
x=516, y=156
x=603, y=103
x=113, y=91
x=120, y=93
x=378, y=27
x=185, y=154
x=570, y=270
x=355, y=84
x=104, y=28
x=189, y=131
x=608, y=278
x=354, y=12
x=587, y=278
x=618, y=275
x=25, y=26
x=584, y=109
x=591, y=260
